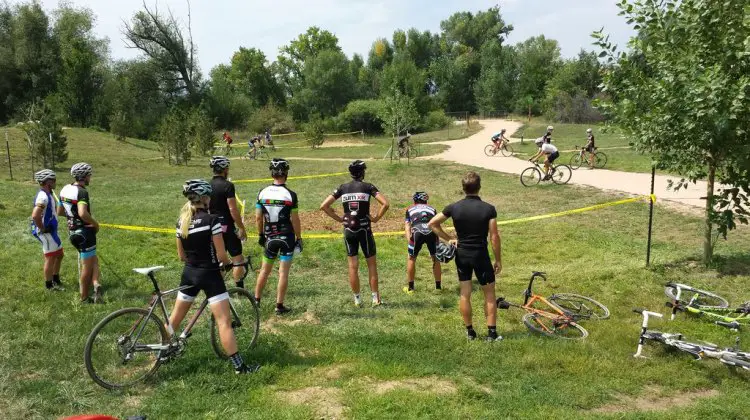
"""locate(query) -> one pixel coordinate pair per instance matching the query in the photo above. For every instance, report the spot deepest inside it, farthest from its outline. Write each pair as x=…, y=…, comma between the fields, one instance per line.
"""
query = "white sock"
x=357, y=299
x=375, y=297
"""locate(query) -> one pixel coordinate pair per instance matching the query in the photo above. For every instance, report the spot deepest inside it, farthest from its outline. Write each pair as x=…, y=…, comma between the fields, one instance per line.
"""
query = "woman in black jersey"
x=201, y=246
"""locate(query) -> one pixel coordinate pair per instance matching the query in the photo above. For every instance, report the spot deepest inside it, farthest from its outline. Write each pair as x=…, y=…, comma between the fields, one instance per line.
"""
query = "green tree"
x=328, y=86
x=381, y=53
x=9, y=76
x=226, y=105
x=403, y=75
x=538, y=61
x=174, y=137
x=682, y=93
x=314, y=132
x=137, y=100
x=495, y=88
x=45, y=135
x=398, y=113
x=473, y=30
x=253, y=77
x=293, y=57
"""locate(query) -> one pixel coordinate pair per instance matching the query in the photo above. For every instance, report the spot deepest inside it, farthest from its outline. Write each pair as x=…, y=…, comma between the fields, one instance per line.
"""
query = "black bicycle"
x=583, y=156
x=559, y=174
x=129, y=345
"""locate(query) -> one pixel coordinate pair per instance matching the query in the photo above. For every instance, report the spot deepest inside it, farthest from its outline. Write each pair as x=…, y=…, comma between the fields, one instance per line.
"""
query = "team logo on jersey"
x=355, y=197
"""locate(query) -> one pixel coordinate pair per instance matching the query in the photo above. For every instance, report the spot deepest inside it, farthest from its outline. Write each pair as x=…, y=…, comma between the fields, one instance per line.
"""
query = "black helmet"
x=445, y=252
x=421, y=197
x=279, y=167
x=196, y=187
x=219, y=163
x=357, y=169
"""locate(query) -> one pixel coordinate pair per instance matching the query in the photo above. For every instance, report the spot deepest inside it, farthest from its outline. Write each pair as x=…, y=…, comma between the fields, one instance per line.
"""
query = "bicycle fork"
x=644, y=328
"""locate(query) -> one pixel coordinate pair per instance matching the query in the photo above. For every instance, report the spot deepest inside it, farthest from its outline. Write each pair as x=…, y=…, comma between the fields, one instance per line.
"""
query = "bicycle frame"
x=530, y=299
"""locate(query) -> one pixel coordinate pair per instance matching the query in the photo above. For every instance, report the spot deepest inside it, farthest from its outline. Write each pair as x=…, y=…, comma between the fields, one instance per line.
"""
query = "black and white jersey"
x=70, y=196
x=277, y=203
x=199, y=245
x=355, y=196
x=419, y=215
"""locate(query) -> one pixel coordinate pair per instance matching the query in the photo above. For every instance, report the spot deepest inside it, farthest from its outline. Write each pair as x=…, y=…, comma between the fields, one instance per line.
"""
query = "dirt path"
x=470, y=151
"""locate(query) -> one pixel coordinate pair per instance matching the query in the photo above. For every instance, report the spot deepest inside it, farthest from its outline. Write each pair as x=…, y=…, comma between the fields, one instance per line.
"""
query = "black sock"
x=240, y=284
x=257, y=300
x=470, y=331
x=492, y=331
x=56, y=278
x=438, y=285
x=411, y=285
x=236, y=360
x=48, y=284
x=279, y=305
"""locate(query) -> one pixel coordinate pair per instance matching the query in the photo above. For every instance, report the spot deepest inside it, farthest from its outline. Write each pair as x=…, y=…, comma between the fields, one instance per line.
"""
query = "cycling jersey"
x=70, y=196
x=277, y=203
x=222, y=190
x=471, y=218
x=548, y=148
x=355, y=197
x=591, y=143
x=48, y=204
x=496, y=136
x=547, y=138
x=199, y=246
x=419, y=215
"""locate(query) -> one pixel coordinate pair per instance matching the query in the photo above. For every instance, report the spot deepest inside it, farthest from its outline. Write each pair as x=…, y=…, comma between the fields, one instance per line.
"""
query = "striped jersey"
x=199, y=245
x=277, y=203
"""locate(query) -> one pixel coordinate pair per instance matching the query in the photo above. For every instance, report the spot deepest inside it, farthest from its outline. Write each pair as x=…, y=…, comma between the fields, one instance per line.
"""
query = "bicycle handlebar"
x=649, y=313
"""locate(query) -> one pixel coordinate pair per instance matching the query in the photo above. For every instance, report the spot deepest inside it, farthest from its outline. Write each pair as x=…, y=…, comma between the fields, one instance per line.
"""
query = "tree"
x=538, y=61
x=137, y=100
x=314, y=132
x=253, y=77
x=45, y=135
x=682, y=93
x=224, y=103
x=399, y=113
x=201, y=131
x=473, y=30
x=328, y=86
x=403, y=75
x=174, y=137
x=293, y=57
x=495, y=88
x=160, y=38
x=381, y=53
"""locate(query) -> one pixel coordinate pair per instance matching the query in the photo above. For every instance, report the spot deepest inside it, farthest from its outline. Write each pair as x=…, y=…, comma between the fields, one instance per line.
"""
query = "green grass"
x=408, y=359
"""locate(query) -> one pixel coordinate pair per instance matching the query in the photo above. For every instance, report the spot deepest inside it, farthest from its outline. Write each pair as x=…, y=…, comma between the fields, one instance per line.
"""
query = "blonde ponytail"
x=186, y=217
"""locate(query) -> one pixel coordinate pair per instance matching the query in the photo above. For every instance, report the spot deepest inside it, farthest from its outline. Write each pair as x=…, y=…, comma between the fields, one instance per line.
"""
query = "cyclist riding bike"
x=279, y=231
x=227, y=138
x=590, y=147
x=44, y=228
x=269, y=142
x=551, y=154
x=201, y=246
x=419, y=234
x=252, y=145
x=224, y=205
x=499, y=139
x=403, y=144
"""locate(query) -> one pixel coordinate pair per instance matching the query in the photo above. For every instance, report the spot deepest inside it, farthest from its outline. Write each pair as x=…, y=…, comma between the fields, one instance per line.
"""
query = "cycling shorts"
x=418, y=239
x=354, y=239
x=51, y=243
x=590, y=149
x=232, y=242
x=475, y=261
x=551, y=158
x=281, y=246
x=84, y=240
x=207, y=279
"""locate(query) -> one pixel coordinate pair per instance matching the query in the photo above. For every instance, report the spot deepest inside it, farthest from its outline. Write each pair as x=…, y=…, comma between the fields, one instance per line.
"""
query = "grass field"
x=408, y=359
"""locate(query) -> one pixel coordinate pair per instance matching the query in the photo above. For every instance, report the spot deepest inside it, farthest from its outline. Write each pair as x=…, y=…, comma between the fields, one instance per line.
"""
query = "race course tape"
x=651, y=198
x=245, y=181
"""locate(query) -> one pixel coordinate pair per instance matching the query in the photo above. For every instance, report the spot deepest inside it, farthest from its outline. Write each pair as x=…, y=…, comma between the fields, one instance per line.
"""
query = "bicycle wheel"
x=575, y=160
x=735, y=361
x=245, y=322
x=557, y=327
x=700, y=299
x=121, y=349
x=600, y=160
x=579, y=306
x=489, y=150
x=530, y=177
x=506, y=150
x=413, y=153
x=562, y=174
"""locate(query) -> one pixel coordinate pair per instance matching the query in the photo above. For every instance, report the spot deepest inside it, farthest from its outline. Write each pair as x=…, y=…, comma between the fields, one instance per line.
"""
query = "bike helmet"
x=219, y=163
x=550, y=128
x=197, y=187
x=80, y=170
x=445, y=252
x=44, y=175
x=588, y=130
x=279, y=167
x=421, y=197
x=502, y=131
x=357, y=169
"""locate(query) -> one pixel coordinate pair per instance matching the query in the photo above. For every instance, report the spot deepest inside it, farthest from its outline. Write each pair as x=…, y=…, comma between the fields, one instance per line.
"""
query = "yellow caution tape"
x=651, y=197
x=245, y=181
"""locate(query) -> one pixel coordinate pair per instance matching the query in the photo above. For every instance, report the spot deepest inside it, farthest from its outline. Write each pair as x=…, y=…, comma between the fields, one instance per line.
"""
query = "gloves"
x=227, y=267
x=298, y=246
x=262, y=240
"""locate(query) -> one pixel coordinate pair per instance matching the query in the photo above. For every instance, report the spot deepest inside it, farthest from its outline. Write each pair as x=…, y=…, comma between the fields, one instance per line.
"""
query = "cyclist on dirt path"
x=355, y=198
x=279, y=231
x=224, y=205
x=499, y=140
x=474, y=220
x=418, y=234
x=551, y=154
x=44, y=228
x=590, y=146
x=83, y=228
x=200, y=245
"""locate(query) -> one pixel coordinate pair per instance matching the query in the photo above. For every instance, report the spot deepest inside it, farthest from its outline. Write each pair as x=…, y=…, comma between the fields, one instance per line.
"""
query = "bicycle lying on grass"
x=559, y=174
x=505, y=149
x=583, y=156
x=706, y=304
x=730, y=356
x=561, y=315
x=130, y=344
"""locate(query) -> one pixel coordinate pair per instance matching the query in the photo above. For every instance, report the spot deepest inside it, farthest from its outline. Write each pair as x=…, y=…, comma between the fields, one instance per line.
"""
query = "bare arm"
x=407, y=231
x=83, y=213
x=436, y=225
x=296, y=225
x=326, y=207
x=36, y=216
x=496, y=245
x=221, y=251
x=384, y=205
x=259, y=220
x=235, y=212
x=180, y=250
x=536, y=156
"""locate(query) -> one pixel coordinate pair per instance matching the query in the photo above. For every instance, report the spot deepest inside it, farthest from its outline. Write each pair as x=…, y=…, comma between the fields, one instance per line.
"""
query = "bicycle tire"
x=735, y=361
x=575, y=160
x=413, y=152
x=600, y=160
x=671, y=293
x=95, y=338
x=242, y=303
x=506, y=150
x=530, y=177
x=580, y=306
x=567, y=330
x=489, y=150
x=562, y=174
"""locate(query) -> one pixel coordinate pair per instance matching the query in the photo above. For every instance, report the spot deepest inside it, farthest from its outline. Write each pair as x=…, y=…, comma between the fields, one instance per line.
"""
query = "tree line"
x=468, y=66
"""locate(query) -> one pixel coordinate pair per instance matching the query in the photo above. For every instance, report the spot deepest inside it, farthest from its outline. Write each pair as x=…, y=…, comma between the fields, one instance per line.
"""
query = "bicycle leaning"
x=583, y=156
x=559, y=174
x=129, y=345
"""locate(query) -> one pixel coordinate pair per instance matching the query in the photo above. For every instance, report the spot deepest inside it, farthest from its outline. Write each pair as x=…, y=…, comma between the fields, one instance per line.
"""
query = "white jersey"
x=548, y=148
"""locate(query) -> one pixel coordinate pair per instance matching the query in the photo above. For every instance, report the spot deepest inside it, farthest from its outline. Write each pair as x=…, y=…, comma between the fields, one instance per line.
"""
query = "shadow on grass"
x=732, y=265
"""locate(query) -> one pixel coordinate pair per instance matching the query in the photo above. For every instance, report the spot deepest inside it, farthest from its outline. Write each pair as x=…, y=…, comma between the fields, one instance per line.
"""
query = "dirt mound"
x=325, y=402
x=653, y=400
x=432, y=385
x=272, y=324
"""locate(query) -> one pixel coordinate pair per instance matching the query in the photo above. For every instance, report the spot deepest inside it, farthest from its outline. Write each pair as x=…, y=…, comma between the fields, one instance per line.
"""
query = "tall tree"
x=253, y=77
x=495, y=88
x=138, y=101
x=328, y=86
x=381, y=53
x=292, y=57
x=538, y=61
x=683, y=94
x=9, y=76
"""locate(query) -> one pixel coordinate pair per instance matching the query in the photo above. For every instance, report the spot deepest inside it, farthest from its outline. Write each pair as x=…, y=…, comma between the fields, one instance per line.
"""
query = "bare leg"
x=96, y=274
x=87, y=272
x=178, y=314
x=372, y=270
x=490, y=304
x=221, y=313
x=465, y=302
x=284, y=267
x=353, y=274
x=49, y=267
x=437, y=270
x=238, y=272
x=57, y=263
x=411, y=268
x=265, y=271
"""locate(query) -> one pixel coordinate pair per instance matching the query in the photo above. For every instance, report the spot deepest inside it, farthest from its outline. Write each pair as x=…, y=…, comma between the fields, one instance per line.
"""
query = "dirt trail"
x=470, y=151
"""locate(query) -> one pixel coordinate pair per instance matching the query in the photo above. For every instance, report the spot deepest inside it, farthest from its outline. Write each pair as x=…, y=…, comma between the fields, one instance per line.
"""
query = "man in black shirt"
x=355, y=197
x=474, y=220
x=224, y=205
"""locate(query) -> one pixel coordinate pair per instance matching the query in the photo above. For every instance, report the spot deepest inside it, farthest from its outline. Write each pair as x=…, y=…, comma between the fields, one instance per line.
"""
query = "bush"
x=314, y=132
x=362, y=115
x=173, y=137
x=43, y=123
x=273, y=117
x=201, y=131
x=576, y=109
x=435, y=120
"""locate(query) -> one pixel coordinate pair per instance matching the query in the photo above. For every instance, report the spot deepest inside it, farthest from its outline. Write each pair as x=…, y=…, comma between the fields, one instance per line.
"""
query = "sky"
x=220, y=27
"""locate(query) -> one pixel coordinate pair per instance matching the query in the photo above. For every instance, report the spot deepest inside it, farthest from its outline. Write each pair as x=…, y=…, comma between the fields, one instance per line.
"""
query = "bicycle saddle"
x=148, y=270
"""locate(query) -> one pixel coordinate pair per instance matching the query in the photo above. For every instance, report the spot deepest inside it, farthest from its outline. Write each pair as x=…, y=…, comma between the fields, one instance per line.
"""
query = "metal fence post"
x=650, y=216
x=7, y=148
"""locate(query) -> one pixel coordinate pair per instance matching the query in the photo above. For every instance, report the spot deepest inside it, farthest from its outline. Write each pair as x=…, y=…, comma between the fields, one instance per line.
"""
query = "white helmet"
x=44, y=175
x=80, y=170
x=588, y=130
x=550, y=128
x=502, y=131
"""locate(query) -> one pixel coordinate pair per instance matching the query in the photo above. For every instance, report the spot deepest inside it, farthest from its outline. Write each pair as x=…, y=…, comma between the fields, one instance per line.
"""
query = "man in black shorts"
x=280, y=231
x=474, y=220
x=224, y=205
x=419, y=234
x=355, y=196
